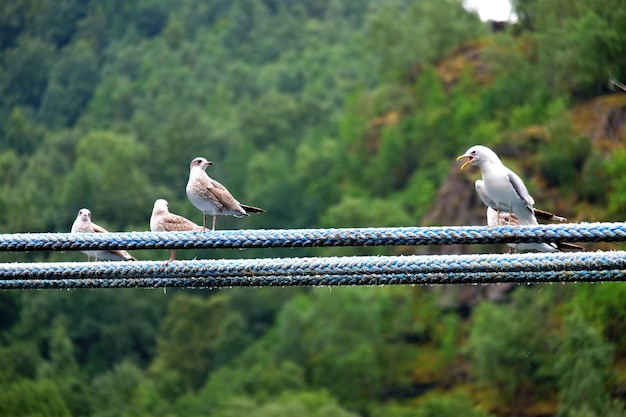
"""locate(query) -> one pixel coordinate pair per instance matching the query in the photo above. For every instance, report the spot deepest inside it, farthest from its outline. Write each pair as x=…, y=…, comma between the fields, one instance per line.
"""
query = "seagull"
x=83, y=224
x=211, y=197
x=164, y=221
x=502, y=188
x=491, y=167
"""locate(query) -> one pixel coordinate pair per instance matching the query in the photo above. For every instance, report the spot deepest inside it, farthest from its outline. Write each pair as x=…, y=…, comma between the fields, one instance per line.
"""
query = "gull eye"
x=473, y=152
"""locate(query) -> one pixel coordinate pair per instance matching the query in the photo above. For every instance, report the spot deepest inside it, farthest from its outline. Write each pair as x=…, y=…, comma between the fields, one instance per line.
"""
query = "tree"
x=405, y=34
x=22, y=132
x=510, y=347
x=109, y=177
x=25, y=72
x=583, y=368
x=27, y=398
x=191, y=336
x=72, y=82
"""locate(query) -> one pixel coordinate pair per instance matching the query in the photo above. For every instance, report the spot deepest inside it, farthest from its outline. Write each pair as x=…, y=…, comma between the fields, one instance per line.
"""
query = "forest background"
x=327, y=113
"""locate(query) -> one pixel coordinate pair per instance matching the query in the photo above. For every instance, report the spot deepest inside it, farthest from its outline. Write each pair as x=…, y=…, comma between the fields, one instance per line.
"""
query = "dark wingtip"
x=251, y=209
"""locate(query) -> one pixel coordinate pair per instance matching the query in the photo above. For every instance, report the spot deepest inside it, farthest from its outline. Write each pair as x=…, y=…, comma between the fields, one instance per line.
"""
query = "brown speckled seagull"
x=211, y=197
x=164, y=221
x=83, y=224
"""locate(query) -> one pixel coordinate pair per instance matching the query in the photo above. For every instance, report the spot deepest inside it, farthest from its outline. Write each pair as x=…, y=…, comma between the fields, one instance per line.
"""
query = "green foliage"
x=416, y=32
x=193, y=332
x=325, y=113
x=32, y=398
x=19, y=360
x=106, y=178
x=601, y=305
x=312, y=404
x=617, y=184
x=22, y=132
x=577, y=45
x=365, y=212
x=72, y=80
x=113, y=391
x=101, y=324
x=562, y=160
x=435, y=405
x=511, y=346
x=25, y=72
x=584, y=361
x=595, y=181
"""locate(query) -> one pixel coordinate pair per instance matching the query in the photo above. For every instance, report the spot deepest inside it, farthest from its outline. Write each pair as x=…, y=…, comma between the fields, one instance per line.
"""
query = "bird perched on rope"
x=501, y=189
x=211, y=197
x=164, y=221
x=506, y=196
x=83, y=224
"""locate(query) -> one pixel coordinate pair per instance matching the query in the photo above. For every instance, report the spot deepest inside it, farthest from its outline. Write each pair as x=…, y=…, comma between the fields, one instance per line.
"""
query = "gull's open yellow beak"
x=469, y=159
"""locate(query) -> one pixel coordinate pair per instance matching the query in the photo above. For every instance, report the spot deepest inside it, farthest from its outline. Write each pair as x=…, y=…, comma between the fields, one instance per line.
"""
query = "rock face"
x=602, y=119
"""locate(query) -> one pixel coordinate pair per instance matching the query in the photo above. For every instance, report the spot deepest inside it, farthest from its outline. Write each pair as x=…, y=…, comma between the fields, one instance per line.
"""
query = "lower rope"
x=365, y=270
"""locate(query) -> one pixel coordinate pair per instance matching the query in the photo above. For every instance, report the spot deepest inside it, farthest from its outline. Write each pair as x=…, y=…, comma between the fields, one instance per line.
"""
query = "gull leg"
x=204, y=222
x=172, y=257
x=213, y=228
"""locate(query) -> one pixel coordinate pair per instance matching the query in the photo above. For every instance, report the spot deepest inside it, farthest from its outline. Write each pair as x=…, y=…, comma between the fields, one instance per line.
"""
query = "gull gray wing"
x=521, y=190
x=480, y=190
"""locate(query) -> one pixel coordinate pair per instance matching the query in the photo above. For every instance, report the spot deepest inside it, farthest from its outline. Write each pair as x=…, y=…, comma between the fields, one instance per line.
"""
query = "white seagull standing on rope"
x=504, y=192
x=83, y=224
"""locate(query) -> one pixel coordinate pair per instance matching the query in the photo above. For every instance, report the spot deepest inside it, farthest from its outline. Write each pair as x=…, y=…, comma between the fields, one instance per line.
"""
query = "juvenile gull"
x=211, y=197
x=83, y=224
x=164, y=221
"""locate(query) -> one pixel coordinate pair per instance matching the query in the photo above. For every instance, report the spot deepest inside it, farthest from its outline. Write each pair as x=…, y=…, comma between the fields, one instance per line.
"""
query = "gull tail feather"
x=546, y=215
x=251, y=209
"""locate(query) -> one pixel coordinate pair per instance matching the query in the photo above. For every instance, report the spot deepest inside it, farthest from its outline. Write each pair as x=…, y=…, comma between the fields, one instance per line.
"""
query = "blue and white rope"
x=447, y=235
x=365, y=270
x=382, y=270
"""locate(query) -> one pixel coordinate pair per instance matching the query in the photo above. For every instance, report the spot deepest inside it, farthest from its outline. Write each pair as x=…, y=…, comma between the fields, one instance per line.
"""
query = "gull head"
x=478, y=155
x=200, y=162
x=84, y=215
x=160, y=206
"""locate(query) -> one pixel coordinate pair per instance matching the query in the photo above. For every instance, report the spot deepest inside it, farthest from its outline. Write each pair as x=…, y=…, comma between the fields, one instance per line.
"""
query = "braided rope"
x=586, y=232
x=365, y=270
